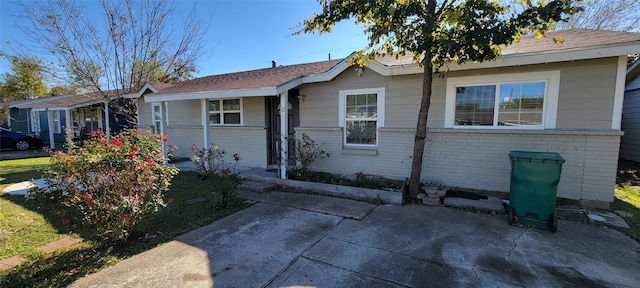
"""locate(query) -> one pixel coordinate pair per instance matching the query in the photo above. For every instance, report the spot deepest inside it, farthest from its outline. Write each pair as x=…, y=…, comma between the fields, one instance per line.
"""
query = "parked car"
x=18, y=140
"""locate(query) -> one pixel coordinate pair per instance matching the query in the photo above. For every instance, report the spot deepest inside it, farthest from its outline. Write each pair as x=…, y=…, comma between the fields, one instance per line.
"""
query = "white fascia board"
x=268, y=91
x=140, y=92
x=515, y=60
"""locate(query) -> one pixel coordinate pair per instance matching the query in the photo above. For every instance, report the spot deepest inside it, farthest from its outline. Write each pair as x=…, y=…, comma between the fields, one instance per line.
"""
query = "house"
x=19, y=118
x=83, y=113
x=630, y=142
x=538, y=96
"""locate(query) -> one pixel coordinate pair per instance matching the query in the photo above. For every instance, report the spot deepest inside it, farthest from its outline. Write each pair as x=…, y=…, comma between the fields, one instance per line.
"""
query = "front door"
x=273, y=124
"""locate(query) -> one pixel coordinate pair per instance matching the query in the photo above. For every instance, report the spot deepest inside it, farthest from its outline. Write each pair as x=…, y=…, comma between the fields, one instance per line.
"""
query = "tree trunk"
x=421, y=131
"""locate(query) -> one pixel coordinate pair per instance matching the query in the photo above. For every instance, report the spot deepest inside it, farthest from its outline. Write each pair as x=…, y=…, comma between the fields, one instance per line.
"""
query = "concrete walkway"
x=287, y=241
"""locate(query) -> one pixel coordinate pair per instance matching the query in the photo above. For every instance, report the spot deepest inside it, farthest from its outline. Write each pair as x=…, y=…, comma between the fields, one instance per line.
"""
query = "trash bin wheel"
x=553, y=223
x=512, y=216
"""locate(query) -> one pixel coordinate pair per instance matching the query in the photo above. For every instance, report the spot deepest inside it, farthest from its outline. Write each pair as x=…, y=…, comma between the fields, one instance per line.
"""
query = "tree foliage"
x=131, y=43
x=26, y=81
x=437, y=33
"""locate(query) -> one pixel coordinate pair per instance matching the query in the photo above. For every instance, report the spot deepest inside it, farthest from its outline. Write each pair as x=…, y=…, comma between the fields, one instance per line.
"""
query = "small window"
x=361, y=114
x=55, y=117
x=225, y=112
x=157, y=117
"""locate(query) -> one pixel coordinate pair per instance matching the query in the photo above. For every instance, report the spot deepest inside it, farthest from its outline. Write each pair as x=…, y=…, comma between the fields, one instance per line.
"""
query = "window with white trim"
x=55, y=116
x=156, y=114
x=225, y=111
x=361, y=114
x=527, y=100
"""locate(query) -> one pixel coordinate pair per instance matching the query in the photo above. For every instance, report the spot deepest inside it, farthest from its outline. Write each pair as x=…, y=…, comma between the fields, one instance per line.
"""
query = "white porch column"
x=205, y=122
x=163, y=131
x=106, y=120
x=52, y=143
x=67, y=124
x=284, y=131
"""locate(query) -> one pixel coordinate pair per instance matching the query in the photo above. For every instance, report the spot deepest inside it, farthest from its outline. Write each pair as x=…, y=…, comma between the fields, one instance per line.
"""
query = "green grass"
x=628, y=200
x=14, y=171
x=22, y=229
x=62, y=267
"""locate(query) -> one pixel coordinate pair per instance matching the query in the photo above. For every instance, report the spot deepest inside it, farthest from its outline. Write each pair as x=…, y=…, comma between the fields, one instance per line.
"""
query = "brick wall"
x=478, y=159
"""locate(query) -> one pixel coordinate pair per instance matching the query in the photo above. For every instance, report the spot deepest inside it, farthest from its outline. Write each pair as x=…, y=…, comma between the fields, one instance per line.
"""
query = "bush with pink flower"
x=109, y=186
x=213, y=161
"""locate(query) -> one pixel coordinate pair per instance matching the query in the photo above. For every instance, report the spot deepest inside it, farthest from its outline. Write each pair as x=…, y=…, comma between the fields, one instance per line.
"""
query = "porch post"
x=284, y=131
x=67, y=116
x=163, y=131
x=106, y=120
x=52, y=143
x=205, y=122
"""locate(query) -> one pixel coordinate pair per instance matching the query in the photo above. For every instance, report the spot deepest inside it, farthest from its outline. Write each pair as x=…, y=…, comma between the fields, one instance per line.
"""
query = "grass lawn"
x=22, y=219
x=627, y=195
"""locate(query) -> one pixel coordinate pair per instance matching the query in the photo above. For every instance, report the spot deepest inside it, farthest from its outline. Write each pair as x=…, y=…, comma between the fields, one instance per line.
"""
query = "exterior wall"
x=19, y=119
x=479, y=159
x=470, y=158
x=630, y=142
x=185, y=128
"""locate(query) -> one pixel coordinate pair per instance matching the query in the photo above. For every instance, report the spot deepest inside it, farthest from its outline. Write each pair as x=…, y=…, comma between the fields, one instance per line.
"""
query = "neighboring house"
x=538, y=96
x=630, y=142
x=19, y=118
x=83, y=113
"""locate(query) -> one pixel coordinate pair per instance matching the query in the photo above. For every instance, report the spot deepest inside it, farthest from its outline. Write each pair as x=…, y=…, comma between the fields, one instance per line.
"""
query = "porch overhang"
x=267, y=91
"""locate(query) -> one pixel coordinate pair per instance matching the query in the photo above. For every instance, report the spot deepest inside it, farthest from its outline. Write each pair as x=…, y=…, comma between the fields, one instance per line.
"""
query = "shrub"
x=109, y=186
x=305, y=153
x=211, y=162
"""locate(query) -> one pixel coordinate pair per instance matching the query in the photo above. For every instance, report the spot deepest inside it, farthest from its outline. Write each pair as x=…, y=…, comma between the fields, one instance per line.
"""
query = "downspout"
x=283, y=109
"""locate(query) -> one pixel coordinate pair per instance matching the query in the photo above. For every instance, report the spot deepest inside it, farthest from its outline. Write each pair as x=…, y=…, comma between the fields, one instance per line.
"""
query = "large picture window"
x=361, y=114
x=225, y=112
x=519, y=101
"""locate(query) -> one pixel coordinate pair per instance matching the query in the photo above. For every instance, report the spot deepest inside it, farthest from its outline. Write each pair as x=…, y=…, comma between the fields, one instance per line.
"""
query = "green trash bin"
x=534, y=187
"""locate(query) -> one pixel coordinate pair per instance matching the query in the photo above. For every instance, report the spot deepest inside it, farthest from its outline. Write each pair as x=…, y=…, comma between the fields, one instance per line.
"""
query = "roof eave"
x=265, y=91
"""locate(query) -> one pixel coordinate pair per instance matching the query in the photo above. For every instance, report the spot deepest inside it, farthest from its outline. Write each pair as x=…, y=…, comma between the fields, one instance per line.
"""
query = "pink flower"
x=148, y=183
x=194, y=144
x=158, y=153
x=144, y=167
x=116, y=142
x=103, y=142
x=93, y=132
x=170, y=200
x=132, y=154
x=165, y=139
x=148, y=160
x=95, y=220
x=123, y=194
x=125, y=216
x=87, y=199
x=65, y=221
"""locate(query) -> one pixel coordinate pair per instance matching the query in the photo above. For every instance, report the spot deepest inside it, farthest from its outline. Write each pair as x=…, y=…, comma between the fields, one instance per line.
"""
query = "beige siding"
x=144, y=113
x=476, y=159
x=186, y=112
x=253, y=111
x=185, y=128
x=248, y=142
x=630, y=142
x=183, y=137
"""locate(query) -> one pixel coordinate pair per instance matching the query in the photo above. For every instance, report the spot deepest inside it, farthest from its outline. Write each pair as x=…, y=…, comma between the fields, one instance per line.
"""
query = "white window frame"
x=550, y=102
x=222, y=112
x=342, y=110
x=153, y=118
x=55, y=115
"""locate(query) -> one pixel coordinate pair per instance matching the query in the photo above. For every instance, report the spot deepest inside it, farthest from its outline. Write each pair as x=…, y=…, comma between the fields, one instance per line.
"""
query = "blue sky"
x=243, y=35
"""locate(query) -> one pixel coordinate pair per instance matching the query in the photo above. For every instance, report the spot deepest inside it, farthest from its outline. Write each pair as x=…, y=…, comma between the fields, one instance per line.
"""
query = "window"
x=527, y=100
x=156, y=115
x=361, y=114
x=225, y=112
x=55, y=117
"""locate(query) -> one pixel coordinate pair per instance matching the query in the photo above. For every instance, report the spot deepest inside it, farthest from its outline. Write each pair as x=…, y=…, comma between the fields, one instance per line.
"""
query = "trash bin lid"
x=539, y=156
